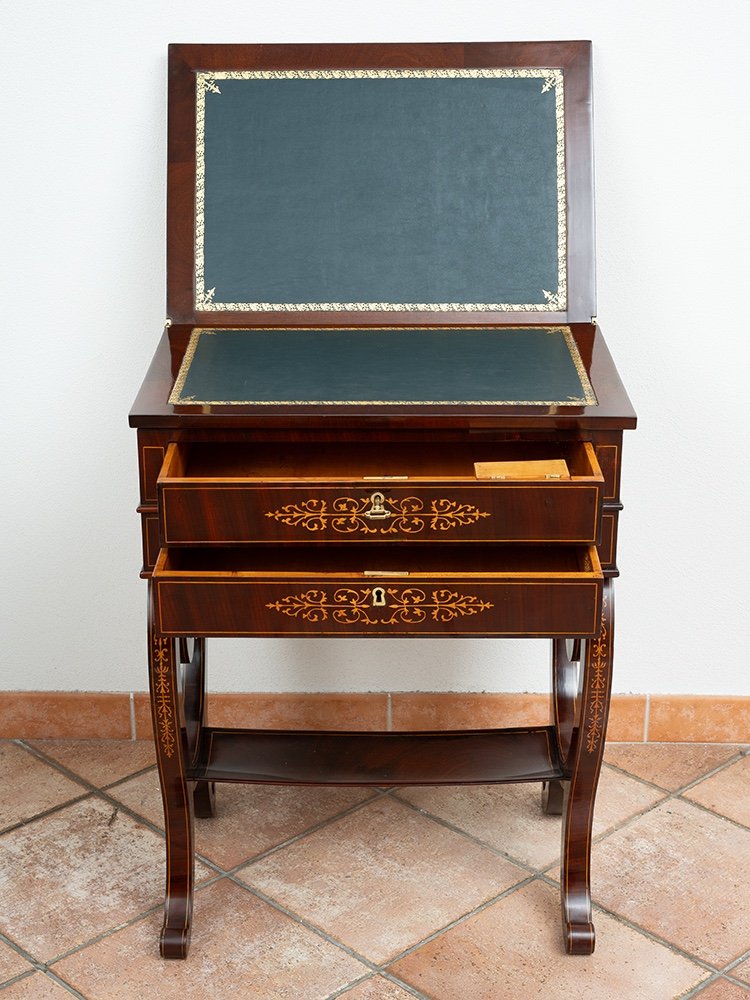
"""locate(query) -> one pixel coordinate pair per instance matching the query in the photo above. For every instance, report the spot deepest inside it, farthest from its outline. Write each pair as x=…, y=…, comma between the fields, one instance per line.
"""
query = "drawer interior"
x=382, y=562
x=365, y=461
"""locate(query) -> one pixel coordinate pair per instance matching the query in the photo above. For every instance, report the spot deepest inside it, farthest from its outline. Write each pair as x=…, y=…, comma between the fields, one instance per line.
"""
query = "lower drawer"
x=493, y=592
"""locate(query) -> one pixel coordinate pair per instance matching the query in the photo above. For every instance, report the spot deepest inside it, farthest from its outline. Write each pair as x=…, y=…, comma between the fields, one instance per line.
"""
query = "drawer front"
x=495, y=512
x=305, y=604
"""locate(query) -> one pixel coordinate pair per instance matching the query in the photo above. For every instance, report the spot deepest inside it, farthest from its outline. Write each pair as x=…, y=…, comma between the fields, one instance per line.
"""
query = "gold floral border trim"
x=176, y=398
x=410, y=606
x=163, y=709
x=348, y=515
x=208, y=82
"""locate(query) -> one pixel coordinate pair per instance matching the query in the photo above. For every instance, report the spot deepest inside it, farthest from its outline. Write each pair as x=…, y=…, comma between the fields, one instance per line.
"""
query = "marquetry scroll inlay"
x=163, y=701
x=407, y=516
x=350, y=606
x=600, y=657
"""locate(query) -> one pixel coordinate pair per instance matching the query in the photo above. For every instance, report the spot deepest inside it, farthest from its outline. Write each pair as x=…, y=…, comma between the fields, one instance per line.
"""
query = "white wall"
x=82, y=276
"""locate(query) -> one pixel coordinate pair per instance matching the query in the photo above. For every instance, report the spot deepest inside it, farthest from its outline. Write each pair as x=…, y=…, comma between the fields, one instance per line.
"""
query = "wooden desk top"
x=607, y=404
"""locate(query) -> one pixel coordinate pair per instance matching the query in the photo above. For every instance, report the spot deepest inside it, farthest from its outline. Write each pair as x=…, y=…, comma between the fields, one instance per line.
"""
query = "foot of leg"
x=579, y=938
x=174, y=941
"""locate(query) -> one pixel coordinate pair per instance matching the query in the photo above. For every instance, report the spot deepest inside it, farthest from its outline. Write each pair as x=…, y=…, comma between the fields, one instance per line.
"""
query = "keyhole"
x=378, y=597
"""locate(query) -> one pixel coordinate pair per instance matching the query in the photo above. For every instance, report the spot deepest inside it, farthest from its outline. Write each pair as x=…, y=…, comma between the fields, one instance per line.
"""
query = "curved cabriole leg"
x=586, y=753
x=169, y=737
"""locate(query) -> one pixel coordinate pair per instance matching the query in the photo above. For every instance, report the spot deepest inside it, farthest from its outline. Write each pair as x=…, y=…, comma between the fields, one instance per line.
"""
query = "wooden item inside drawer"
x=248, y=494
x=380, y=590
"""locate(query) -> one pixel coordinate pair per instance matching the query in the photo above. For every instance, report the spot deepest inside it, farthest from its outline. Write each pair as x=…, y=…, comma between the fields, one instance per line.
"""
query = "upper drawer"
x=242, y=494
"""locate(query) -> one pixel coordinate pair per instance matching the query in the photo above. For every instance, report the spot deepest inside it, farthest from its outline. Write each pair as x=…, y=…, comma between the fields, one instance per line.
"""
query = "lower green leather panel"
x=520, y=366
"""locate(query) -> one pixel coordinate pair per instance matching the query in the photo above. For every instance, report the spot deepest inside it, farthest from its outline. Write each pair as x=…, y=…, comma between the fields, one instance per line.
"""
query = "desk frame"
x=564, y=756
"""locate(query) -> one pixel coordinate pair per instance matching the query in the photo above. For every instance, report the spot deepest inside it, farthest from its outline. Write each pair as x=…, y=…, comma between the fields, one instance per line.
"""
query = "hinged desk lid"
x=360, y=184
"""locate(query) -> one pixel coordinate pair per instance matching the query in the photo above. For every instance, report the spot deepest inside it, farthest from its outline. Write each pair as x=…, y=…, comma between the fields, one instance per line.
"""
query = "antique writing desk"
x=381, y=407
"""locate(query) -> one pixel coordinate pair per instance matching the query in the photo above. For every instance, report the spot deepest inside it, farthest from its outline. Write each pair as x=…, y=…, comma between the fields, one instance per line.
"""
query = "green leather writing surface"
x=380, y=189
x=530, y=365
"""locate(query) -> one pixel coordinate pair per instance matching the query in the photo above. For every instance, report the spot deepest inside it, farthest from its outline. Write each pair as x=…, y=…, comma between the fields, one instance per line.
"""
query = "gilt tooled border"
x=552, y=78
x=587, y=398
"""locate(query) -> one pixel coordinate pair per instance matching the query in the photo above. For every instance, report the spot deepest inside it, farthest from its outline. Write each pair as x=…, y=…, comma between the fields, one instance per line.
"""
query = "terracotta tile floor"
x=317, y=893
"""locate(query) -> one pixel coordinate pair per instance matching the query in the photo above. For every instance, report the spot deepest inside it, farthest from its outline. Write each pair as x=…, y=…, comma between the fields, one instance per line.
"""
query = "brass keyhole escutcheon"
x=378, y=597
x=377, y=509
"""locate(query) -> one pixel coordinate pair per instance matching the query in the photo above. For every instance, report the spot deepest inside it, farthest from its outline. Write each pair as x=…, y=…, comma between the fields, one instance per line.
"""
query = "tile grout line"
x=426, y=814
x=389, y=977
x=727, y=970
x=672, y=796
x=36, y=966
x=644, y=932
x=103, y=935
x=699, y=987
x=47, y=812
x=738, y=755
x=99, y=791
x=462, y=918
x=92, y=791
x=370, y=963
x=736, y=982
x=303, y=922
x=274, y=848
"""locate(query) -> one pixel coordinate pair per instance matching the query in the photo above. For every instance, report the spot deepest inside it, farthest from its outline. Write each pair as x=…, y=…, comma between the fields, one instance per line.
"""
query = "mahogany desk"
x=308, y=463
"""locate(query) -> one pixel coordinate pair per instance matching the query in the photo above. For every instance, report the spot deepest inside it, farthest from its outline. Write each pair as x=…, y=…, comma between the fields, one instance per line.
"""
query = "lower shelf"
x=482, y=756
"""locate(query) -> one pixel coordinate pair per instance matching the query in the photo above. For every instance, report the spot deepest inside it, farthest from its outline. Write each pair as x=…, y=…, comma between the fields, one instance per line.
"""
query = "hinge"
x=593, y=321
x=167, y=323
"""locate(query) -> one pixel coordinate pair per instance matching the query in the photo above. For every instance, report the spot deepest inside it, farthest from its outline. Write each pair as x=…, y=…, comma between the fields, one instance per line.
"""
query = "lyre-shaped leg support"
x=171, y=748
x=193, y=663
x=583, y=757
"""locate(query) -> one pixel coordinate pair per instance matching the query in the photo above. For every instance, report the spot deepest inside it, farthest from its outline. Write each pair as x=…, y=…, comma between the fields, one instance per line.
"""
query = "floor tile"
x=513, y=951
x=30, y=786
x=241, y=947
x=669, y=765
x=36, y=987
x=727, y=792
x=99, y=761
x=74, y=874
x=377, y=988
x=510, y=819
x=382, y=878
x=683, y=874
x=249, y=818
x=722, y=989
x=11, y=963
